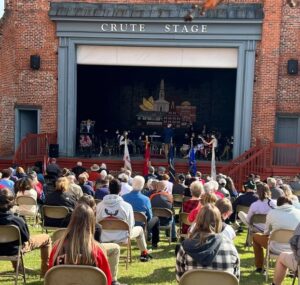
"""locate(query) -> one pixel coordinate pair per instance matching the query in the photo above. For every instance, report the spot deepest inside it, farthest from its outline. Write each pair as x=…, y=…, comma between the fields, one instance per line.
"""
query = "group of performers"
x=111, y=143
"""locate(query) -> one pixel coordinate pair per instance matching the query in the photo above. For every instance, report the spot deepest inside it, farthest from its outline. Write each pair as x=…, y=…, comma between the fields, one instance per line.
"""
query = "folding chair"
x=255, y=219
x=241, y=208
x=141, y=218
x=112, y=224
x=28, y=202
x=177, y=200
x=279, y=236
x=75, y=274
x=8, y=234
x=57, y=234
x=164, y=213
x=212, y=277
x=183, y=220
x=53, y=212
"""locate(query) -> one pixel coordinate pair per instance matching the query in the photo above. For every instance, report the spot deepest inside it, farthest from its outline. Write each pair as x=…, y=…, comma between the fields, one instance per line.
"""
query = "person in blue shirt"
x=141, y=203
x=5, y=181
x=101, y=189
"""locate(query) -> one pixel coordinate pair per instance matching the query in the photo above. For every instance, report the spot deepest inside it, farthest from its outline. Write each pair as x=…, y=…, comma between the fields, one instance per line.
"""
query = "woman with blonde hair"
x=78, y=246
x=207, y=247
x=60, y=197
x=288, y=193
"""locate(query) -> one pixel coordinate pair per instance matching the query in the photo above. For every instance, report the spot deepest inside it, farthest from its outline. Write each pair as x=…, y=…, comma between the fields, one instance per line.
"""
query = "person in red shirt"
x=207, y=198
x=196, y=190
x=77, y=246
x=94, y=174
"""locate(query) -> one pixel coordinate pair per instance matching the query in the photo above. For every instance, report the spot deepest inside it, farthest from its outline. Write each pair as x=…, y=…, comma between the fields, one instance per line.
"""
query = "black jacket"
x=9, y=219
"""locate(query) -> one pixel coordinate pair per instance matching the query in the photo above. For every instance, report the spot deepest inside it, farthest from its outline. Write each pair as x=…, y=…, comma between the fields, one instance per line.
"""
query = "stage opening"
x=144, y=100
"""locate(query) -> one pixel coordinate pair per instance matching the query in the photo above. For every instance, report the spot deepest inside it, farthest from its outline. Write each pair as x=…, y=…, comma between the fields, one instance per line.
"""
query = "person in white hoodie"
x=285, y=216
x=114, y=206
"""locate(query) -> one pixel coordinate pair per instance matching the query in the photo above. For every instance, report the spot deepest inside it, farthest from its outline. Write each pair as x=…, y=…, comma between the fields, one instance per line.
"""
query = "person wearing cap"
x=29, y=243
x=94, y=174
x=245, y=199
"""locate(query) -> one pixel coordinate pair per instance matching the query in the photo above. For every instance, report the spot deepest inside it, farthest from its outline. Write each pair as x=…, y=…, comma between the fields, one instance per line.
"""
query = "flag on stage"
x=172, y=172
x=147, y=158
x=192, y=162
x=126, y=157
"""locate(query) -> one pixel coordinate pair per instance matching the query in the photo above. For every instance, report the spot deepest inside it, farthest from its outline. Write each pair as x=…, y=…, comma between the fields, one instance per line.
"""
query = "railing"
x=270, y=159
x=34, y=147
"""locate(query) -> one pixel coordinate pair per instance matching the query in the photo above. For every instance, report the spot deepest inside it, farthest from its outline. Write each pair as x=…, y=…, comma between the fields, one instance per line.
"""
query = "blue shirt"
x=8, y=184
x=139, y=203
x=101, y=193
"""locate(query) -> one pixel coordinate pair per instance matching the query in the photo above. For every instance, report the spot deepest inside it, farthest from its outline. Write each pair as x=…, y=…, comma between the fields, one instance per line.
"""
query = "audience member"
x=41, y=241
x=74, y=189
x=179, y=187
x=276, y=192
x=125, y=187
x=207, y=248
x=78, y=169
x=285, y=216
x=85, y=186
x=5, y=180
x=77, y=246
x=114, y=206
x=94, y=174
x=101, y=187
x=151, y=174
x=53, y=168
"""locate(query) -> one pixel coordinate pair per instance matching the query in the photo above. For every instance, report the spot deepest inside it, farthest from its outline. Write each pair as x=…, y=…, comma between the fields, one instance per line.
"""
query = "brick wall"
x=26, y=29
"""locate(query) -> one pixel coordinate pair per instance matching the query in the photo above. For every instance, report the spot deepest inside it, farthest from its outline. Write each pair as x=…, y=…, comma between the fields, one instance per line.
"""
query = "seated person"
x=179, y=187
x=246, y=199
x=225, y=208
x=162, y=199
x=85, y=187
x=263, y=205
x=74, y=188
x=141, y=203
x=113, y=206
x=77, y=246
x=41, y=241
x=196, y=190
x=101, y=187
x=207, y=198
x=60, y=197
x=288, y=259
x=285, y=216
x=23, y=187
x=207, y=248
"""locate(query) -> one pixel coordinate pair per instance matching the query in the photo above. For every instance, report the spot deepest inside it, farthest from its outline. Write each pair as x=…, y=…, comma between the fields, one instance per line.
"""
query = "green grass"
x=161, y=270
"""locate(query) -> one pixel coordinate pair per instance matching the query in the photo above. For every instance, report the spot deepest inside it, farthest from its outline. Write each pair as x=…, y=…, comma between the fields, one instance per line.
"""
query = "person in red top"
x=77, y=246
x=196, y=190
x=207, y=198
x=94, y=175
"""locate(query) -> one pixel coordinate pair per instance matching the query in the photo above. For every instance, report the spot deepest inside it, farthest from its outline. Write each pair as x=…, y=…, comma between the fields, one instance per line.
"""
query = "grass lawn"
x=161, y=270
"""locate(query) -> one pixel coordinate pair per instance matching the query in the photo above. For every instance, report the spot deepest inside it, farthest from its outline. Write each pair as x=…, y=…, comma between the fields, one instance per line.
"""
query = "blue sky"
x=1, y=7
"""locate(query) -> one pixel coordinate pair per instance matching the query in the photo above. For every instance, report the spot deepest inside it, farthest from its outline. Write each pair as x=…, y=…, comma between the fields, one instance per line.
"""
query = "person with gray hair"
x=141, y=203
x=73, y=187
x=276, y=192
x=125, y=187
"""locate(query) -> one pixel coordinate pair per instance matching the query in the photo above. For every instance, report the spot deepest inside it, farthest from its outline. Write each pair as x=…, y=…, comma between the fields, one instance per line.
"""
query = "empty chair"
x=211, y=277
x=75, y=274
x=8, y=234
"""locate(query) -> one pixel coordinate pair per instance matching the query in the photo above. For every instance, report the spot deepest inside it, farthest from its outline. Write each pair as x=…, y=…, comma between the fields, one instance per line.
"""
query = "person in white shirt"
x=262, y=206
x=169, y=184
x=125, y=187
x=24, y=188
x=113, y=206
x=285, y=216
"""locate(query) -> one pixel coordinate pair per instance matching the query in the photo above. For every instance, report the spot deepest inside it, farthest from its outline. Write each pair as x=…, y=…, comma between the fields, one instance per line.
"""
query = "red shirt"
x=101, y=261
x=187, y=207
x=194, y=213
x=94, y=176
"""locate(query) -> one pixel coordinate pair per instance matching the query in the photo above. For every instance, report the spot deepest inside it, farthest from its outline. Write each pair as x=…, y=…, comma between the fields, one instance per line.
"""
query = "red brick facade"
x=26, y=29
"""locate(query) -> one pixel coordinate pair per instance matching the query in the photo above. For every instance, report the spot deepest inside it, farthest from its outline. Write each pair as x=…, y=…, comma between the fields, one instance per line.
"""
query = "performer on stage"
x=89, y=127
x=86, y=144
x=168, y=137
x=214, y=144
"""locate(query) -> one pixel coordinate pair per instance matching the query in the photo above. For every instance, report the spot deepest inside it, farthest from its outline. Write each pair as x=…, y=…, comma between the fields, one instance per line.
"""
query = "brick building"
x=258, y=38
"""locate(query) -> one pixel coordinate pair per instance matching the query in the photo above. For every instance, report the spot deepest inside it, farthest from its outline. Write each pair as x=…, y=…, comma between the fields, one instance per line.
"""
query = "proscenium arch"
x=74, y=30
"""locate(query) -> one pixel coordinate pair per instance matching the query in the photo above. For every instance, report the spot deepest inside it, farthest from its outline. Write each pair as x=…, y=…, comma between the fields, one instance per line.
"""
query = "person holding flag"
x=147, y=162
x=172, y=172
x=192, y=160
x=126, y=157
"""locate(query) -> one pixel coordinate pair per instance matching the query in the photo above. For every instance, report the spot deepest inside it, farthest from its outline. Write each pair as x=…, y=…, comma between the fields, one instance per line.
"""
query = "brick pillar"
x=264, y=105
